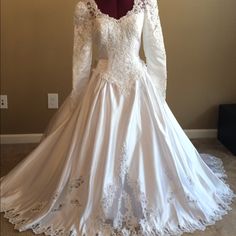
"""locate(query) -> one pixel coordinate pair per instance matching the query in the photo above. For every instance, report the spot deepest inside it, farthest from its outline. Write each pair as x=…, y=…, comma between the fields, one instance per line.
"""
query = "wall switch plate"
x=52, y=100
x=3, y=100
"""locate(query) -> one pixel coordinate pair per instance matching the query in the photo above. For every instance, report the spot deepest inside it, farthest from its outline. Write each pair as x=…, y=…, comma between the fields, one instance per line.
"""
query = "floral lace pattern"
x=122, y=78
x=116, y=77
x=138, y=6
x=126, y=32
x=132, y=68
x=153, y=35
x=127, y=196
x=14, y=215
x=82, y=47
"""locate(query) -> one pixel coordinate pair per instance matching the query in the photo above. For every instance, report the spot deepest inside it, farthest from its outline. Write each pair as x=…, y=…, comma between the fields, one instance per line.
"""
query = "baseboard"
x=201, y=133
x=34, y=138
x=19, y=138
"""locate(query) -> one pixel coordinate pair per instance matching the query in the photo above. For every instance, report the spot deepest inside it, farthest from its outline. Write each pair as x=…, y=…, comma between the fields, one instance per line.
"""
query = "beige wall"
x=36, y=59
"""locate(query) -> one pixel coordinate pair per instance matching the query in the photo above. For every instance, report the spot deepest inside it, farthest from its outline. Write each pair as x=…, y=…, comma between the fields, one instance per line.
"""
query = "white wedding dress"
x=113, y=160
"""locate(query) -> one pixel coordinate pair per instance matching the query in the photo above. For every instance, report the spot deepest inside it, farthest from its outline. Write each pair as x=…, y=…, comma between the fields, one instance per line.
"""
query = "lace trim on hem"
x=144, y=229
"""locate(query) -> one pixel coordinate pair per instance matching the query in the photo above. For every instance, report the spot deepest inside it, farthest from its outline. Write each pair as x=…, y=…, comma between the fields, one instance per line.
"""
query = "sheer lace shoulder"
x=84, y=9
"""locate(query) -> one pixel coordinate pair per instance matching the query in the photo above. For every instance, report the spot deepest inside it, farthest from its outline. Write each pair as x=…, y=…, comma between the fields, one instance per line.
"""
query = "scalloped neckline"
x=128, y=13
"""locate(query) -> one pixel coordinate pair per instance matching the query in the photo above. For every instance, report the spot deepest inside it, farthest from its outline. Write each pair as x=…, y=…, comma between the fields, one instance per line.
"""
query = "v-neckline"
x=111, y=17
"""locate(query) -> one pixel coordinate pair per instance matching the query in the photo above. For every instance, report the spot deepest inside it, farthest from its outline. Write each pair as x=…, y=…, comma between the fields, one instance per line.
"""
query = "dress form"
x=115, y=8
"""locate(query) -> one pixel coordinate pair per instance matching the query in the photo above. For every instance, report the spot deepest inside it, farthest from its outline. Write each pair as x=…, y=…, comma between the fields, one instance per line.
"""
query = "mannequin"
x=115, y=8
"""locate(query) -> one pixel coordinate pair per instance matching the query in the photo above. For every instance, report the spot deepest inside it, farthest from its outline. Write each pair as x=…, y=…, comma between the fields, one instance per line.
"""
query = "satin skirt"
x=115, y=165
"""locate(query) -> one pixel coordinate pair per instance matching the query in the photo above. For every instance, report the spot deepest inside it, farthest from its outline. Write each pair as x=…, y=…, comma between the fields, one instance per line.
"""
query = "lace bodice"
x=117, y=44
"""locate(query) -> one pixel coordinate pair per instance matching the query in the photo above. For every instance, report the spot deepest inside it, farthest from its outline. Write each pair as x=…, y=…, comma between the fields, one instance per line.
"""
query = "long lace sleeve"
x=154, y=48
x=82, y=47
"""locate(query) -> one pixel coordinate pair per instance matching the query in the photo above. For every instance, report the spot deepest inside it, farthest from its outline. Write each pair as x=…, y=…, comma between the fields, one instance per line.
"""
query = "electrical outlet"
x=52, y=101
x=3, y=104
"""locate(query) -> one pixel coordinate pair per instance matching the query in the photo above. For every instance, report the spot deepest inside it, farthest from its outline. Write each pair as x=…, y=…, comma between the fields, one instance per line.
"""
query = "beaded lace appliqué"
x=138, y=6
x=15, y=217
x=87, y=10
x=127, y=69
x=154, y=21
x=125, y=72
x=127, y=196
